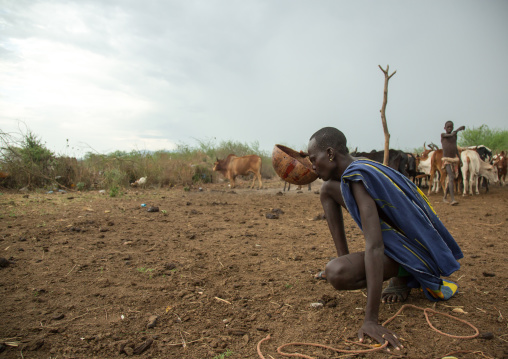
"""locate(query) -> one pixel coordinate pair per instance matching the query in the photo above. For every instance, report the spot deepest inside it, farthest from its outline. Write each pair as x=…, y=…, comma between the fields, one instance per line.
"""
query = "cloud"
x=121, y=75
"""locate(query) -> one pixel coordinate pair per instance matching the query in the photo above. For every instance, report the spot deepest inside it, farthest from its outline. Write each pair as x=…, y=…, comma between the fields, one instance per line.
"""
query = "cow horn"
x=424, y=146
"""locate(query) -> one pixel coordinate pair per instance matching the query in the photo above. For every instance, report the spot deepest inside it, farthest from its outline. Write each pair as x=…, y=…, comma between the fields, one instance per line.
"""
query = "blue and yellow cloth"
x=418, y=240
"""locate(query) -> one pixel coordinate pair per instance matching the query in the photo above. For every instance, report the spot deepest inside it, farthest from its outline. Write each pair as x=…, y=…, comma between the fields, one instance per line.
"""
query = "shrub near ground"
x=30, y=164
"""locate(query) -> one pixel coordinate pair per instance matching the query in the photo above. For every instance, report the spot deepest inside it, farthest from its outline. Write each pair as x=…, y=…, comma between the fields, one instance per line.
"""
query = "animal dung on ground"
x=292, y=166
x=153, y=209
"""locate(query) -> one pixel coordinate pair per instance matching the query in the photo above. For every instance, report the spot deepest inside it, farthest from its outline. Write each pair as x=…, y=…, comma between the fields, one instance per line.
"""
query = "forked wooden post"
x=383, y=113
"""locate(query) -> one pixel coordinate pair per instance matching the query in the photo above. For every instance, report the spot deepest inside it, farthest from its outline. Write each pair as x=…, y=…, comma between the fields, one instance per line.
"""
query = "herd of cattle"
x=477, y=163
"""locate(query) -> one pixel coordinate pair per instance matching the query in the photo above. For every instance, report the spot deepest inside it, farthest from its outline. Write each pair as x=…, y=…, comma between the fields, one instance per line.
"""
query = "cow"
x=234, y=166
x=473, y=167
x=411, y=168
x=484, y=152
x=501, y=162
x=430, y=163
x=486, y=155
x=397, y=160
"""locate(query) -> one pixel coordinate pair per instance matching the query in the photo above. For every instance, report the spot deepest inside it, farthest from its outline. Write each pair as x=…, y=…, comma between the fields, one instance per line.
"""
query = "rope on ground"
x=426, y=311
x=354, y=352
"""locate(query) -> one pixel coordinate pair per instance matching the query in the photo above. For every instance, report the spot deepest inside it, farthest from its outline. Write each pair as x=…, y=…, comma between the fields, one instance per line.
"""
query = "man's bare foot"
x=454, y=203
x=397, y=291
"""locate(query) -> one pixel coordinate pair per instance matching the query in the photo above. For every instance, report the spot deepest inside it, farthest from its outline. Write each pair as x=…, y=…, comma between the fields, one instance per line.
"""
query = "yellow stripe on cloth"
x=377, y=169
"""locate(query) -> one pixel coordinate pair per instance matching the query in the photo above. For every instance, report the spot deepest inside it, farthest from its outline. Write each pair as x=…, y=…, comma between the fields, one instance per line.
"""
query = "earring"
x=331, y=160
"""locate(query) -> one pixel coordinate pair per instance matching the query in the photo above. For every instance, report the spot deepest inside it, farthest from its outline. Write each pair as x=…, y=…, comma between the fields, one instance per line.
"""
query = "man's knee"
x=337, y=274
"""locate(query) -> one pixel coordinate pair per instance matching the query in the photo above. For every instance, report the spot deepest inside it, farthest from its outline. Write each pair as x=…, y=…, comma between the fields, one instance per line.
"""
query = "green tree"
x=495, y=139
x=27, y=159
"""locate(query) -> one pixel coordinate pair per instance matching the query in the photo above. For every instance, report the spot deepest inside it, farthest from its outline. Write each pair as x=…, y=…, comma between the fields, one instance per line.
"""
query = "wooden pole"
x=383, y=113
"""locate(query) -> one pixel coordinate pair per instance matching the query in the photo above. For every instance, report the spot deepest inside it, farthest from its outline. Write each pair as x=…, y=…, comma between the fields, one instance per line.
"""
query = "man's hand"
x=380, y=334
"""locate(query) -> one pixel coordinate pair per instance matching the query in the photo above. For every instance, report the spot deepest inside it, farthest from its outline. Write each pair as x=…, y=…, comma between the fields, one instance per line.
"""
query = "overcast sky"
x=125, y=74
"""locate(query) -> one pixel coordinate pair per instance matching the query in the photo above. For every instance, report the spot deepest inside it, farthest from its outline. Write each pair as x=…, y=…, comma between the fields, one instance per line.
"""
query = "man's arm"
x=453, y=133
x=374, y=267
x=374, y=250
x=331, y=200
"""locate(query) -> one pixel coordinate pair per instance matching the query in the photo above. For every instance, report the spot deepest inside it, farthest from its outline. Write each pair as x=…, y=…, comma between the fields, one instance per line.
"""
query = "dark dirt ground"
x=88, y=273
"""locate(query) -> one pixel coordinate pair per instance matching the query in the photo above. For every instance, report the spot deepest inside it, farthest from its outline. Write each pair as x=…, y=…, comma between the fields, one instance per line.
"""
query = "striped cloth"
x=419, y=241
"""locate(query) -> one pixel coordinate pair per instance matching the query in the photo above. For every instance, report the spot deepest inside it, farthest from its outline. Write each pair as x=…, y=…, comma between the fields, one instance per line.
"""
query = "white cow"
x=473, y=167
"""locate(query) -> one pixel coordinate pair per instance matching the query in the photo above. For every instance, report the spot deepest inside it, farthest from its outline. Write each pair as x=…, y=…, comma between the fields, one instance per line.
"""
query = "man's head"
x=448, y=126
x=325, y=148
x=330, y=137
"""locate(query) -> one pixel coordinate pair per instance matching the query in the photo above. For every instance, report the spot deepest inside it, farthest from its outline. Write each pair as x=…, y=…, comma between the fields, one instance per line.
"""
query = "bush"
x=495, y=139
x=29, y=162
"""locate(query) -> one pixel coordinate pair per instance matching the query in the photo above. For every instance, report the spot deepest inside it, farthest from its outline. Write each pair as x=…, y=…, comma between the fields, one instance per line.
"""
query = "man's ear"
x=331, y=153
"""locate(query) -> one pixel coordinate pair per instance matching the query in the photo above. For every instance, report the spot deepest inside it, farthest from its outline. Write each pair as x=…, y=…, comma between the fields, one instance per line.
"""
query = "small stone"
x=152, y=321
x=141, y=348
x=272, y=216
x=488, y=274
x=486, y=335
x=237, y=332
x=153, y=209
x=35, y=344
x=316, y=305
x=246, y=339
x=58, y=316
x=4, y=262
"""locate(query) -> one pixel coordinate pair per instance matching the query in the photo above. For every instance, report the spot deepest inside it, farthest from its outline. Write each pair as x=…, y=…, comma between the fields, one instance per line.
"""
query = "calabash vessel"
x=292, y=166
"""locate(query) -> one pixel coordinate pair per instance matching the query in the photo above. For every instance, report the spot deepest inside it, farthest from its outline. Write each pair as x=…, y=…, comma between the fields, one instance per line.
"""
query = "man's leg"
x=451, y=180
x=348, y=273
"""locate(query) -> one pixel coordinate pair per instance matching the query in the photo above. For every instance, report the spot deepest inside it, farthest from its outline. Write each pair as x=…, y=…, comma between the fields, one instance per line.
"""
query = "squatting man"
x=405, y=242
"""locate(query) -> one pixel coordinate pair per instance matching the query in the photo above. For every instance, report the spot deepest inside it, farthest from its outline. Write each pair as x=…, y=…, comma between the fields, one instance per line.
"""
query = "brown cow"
x=430, y=162
x=234, y=166
x=501, y=162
